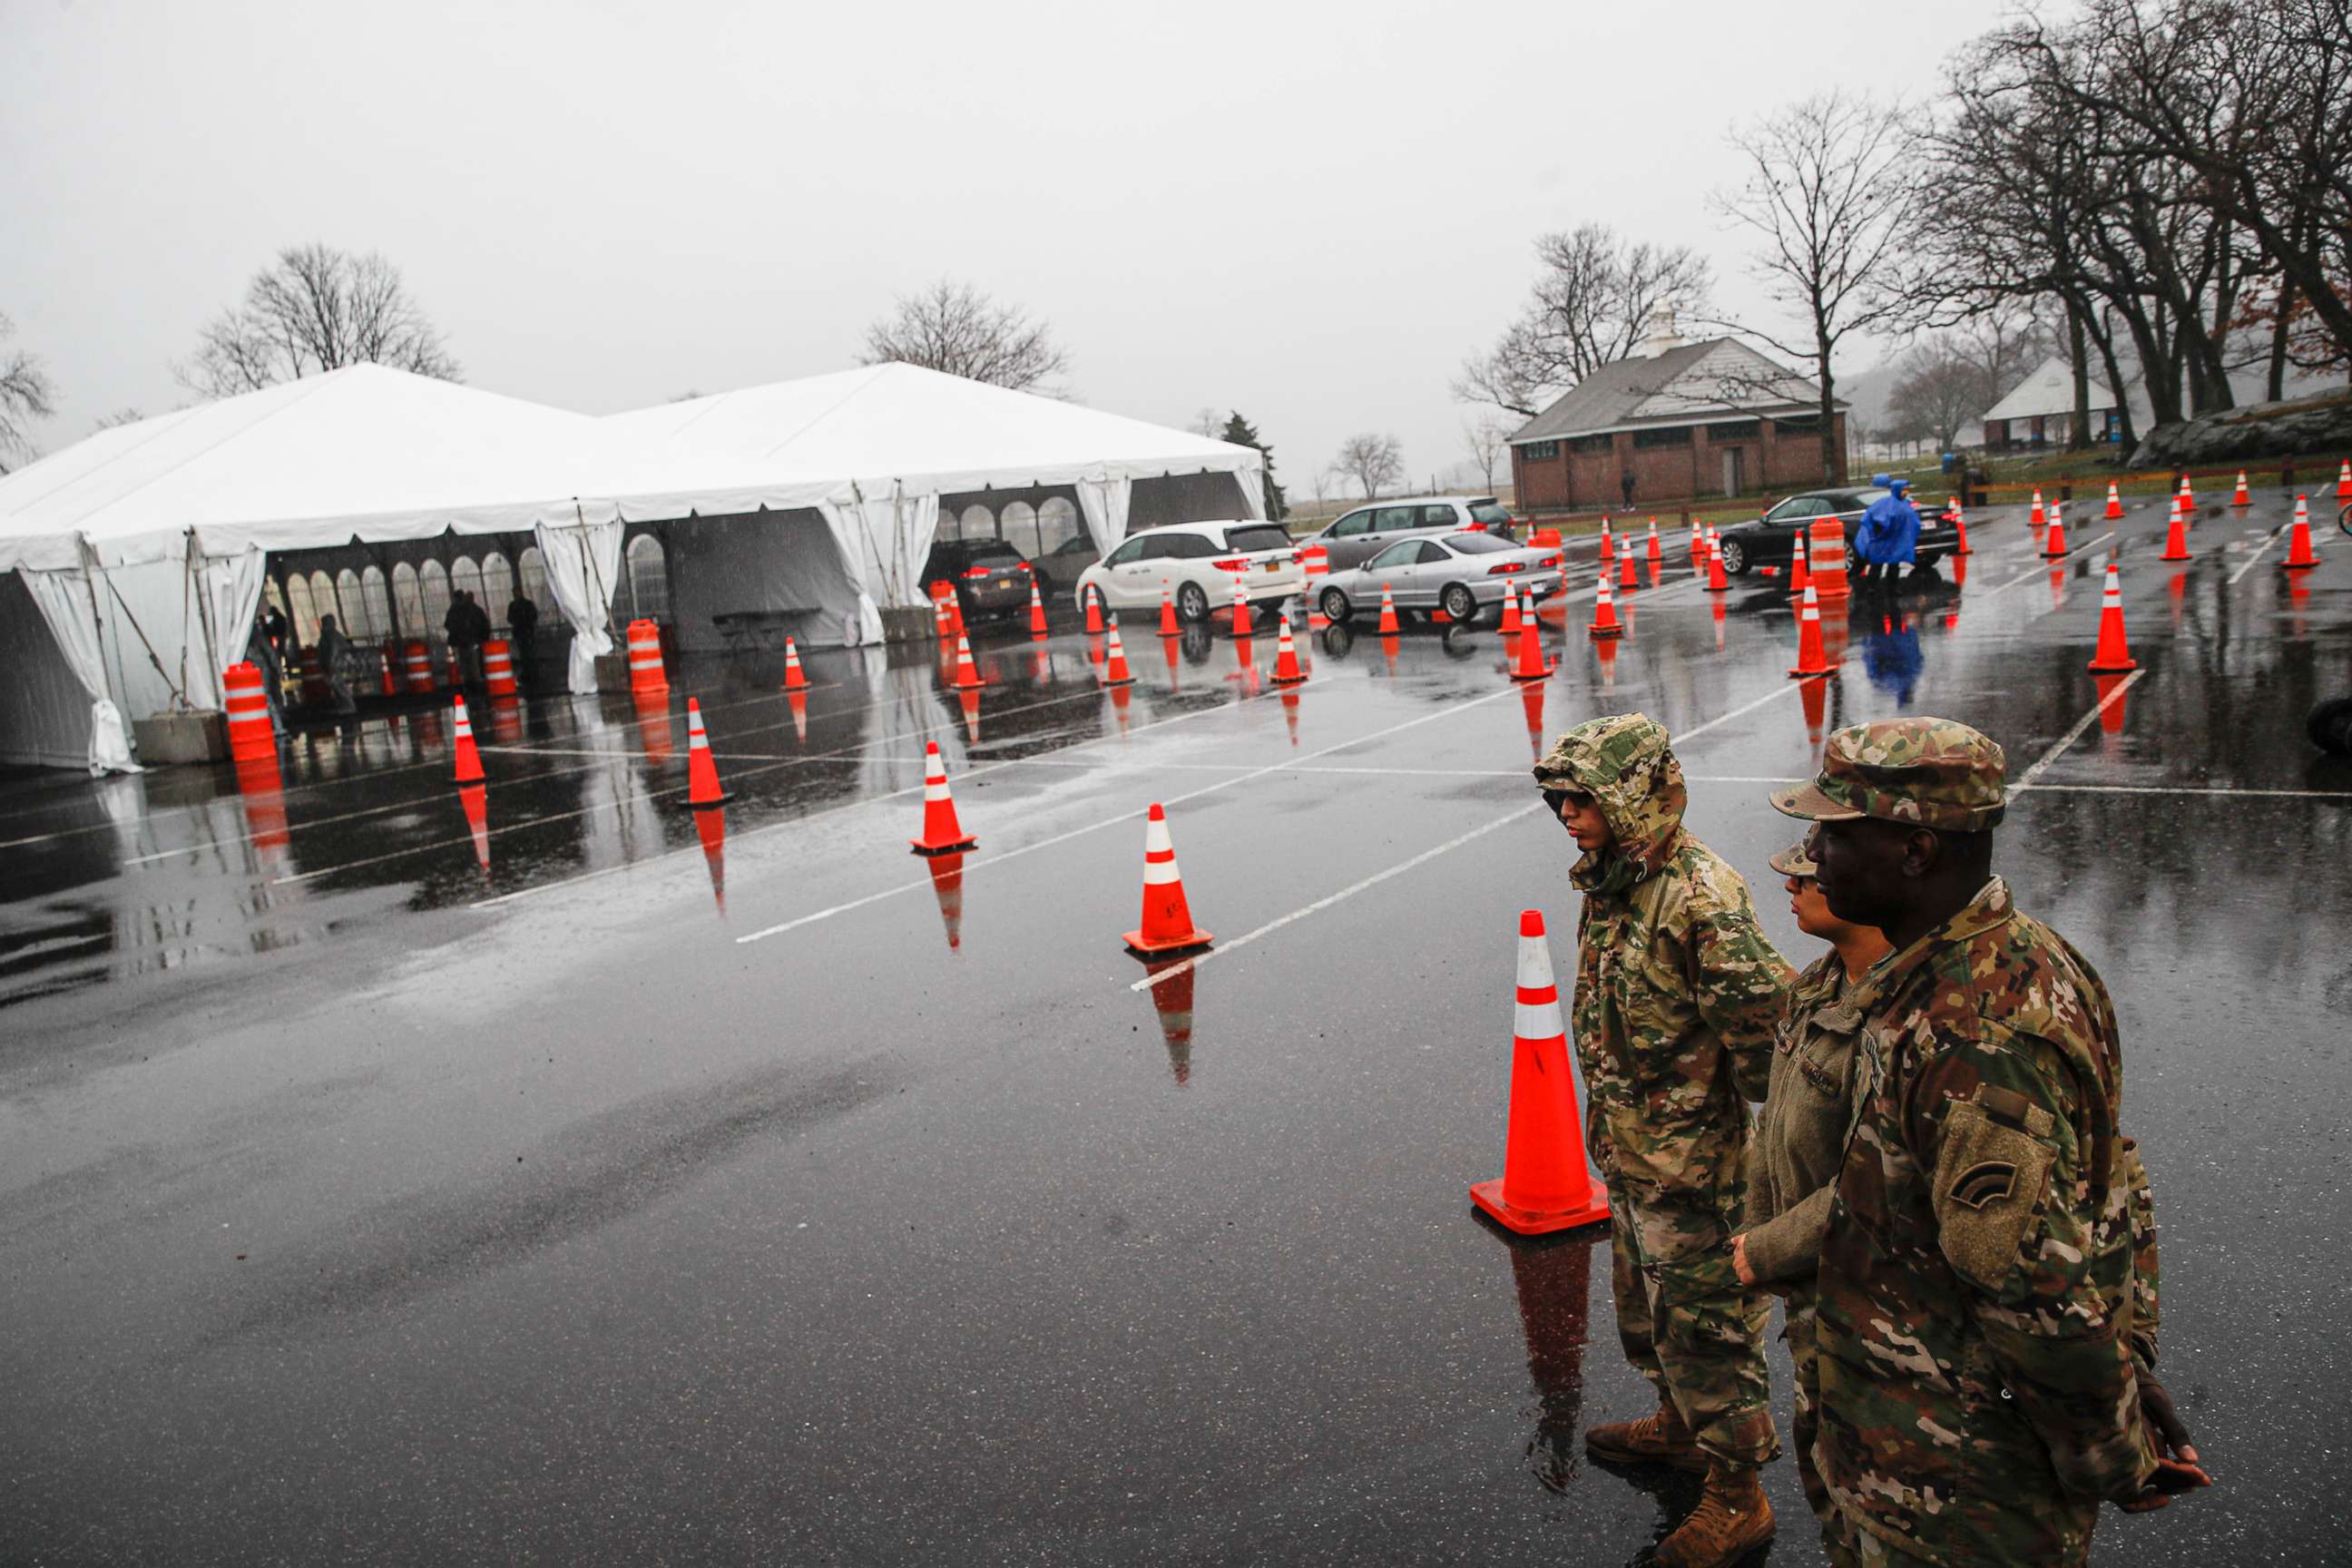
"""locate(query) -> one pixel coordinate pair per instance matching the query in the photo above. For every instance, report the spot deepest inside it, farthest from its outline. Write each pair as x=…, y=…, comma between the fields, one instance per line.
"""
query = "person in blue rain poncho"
x=1887, y=537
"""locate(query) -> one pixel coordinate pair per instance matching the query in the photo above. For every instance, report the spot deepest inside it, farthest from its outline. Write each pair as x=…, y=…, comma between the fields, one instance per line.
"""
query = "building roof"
x=2050, y=390
x=1716, y=380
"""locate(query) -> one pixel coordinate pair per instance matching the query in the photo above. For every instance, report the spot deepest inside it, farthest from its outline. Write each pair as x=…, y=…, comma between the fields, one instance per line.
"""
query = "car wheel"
x=1461, y=605
x=1735, y=557
x=2330, y=726
x=1336, y=609
x=1191, y=603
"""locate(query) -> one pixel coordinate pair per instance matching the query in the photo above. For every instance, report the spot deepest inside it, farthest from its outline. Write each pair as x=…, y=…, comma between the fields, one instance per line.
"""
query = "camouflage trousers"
x=1850, y=1546
x=1804, y=1356
x=1686, y=1323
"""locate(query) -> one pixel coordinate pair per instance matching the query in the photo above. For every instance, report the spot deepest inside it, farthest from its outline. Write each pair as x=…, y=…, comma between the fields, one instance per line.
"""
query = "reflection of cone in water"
x=1172, y=998
x=2178, y=591
x=654, y=736
x=798, y=702
x=2113, y=701
x=1175, y=665
x=1286, y=659
x=2112, y=656
x=702, y=791
x=2176, y=537
x=942, y=831
x=1167, y=925
x=1531, y=700
x=947, y=882
x=1290, y=712
x=1960, y=571
x=1606, y=651
x=1245, y=651
x=969, y=702
x=1115, y=673
x=475, y=801
x=2057, y=587
x=1814, y=696
x=470, y=760
x=262, y=789
x=1546, y=1185
x=1120, y=696
x=711, y=827
x=1095, y=653
x=2300, y=556
x=1554, y=1282
x=1041, y=666
x=506, y=720
x=1715, y=610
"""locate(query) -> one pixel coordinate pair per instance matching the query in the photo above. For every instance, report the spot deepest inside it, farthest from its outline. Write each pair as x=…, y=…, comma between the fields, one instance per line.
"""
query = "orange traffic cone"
x=1510, y=626
x=2300, y=556
x=1608, y=544
x=2037, y=517
x=1657, y=555
x=1115, y=673
x=2176, y=539
x=1286, y=659
x=1388, y=626
x=1960, y=530
x=2113, y=655
x=1813, y=658
x=942, y=833
x=1167, y=919
x=2053, y=543
x=2344, y=481
x=1800, y=570
x=1605, y=618
x=1626, y=580
x=470, y=760
x=967, y=674
x=1716, y=583
x=1094, y=611
x=702, y=789
x=2115, y=501
x=1168, y=626
x=2187, y=496
x=2242, y=496
x=1037, y=611
x=1545, y=1183
x=794, y=680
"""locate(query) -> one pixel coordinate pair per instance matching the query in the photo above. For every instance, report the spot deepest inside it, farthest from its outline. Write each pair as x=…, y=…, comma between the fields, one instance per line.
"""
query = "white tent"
x=142, y=548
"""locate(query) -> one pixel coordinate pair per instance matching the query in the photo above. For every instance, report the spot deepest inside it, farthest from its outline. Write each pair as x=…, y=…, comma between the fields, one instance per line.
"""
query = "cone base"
x=2055, y=555
x=1166, y=631
x=1119, y=680
x=966, y=685
x=794, y=686
x=1801, y=673
x=1186, y=941
x=2182, y=556
x=1489, y=1196
x=2297, y=566
x=954, y=847
x=1290, y=681
x=2113, y=667
x=714, y=802
x=1598, y=633
x=473, y=776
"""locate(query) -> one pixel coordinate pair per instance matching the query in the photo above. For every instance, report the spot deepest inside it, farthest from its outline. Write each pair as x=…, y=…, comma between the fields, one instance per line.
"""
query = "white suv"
x=1200, y=564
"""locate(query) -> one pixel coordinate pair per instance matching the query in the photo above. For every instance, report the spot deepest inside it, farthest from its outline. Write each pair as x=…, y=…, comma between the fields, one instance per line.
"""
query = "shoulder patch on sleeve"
x=1990, y=1177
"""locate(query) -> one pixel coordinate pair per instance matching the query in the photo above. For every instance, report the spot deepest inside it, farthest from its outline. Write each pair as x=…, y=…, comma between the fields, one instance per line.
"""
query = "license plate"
x=1274, y=566
x=1004, y=581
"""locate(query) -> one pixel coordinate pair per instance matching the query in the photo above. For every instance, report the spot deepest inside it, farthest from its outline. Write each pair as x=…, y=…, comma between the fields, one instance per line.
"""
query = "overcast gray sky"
x=1310, y=213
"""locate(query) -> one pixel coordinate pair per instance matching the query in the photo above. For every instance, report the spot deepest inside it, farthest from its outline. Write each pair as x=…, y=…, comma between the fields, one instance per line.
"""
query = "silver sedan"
x=1464, y=575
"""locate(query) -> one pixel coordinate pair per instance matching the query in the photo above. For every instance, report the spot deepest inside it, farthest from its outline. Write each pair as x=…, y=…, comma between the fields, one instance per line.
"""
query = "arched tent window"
x=534, y=580
x=648, y=580
x=410, y=598
x=432, y=581
x=464, y=573
x=498, y=587
x=379, y=602
x=301, y=610
x=322, y=601
x=977, y=522
x=1020, y=529
x=355, y=605
x=1057, y=523
x=276, y=600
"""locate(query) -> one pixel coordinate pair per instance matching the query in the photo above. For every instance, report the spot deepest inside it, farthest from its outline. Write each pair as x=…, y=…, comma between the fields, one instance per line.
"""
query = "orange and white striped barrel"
x=497, y=666
x=1828, y=536
x=314, y=679
x=646, y=672
x=250, y=735
x=416, y=659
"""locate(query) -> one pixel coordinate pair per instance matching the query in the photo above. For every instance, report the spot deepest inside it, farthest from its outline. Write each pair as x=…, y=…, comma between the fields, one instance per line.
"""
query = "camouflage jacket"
x=1677, y=991
x=1801, y=1137
x=1976, y=1293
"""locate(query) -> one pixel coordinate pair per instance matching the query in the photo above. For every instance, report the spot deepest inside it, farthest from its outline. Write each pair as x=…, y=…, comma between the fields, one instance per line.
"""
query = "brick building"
x=1698, y=419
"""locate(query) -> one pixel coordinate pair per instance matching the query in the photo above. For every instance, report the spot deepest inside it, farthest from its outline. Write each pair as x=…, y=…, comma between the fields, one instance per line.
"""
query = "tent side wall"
x=44, y=721
x=782, y=564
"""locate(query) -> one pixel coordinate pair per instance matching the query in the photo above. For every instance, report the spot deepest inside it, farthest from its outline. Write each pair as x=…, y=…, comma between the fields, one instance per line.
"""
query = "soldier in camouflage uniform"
x=1676, y=995
x=1977, y=1317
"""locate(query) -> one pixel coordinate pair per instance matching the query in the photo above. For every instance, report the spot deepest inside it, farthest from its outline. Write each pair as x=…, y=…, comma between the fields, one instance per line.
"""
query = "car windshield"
x=1487, y=512
x=1258, y=536
x=993, y=552
x=1477, y=543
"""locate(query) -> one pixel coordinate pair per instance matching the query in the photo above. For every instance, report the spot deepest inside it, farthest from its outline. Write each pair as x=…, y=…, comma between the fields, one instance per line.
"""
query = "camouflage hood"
x=1625, y=763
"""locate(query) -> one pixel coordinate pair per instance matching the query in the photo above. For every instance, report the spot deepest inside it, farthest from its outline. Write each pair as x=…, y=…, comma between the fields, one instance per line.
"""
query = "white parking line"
x=2041, y=764
x=2260, y=551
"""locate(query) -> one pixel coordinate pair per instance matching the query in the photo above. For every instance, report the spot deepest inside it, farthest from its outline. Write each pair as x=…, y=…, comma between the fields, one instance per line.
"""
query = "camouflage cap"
x=1935, y=773
x=1796, y=860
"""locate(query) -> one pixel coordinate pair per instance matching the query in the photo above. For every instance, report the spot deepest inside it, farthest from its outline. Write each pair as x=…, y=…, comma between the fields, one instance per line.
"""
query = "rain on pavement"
x=570, y=1177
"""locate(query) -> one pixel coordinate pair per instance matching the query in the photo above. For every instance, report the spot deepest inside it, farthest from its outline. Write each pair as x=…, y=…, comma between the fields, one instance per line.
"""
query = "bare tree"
x=315, y=308
x=1372, y=462
x=1207, y=422
x=953, y=327
x=1943, y=387
x=119, y=417
x=1596, y=297
x=27, y=394
x=1825, y=192
x=1488, y=439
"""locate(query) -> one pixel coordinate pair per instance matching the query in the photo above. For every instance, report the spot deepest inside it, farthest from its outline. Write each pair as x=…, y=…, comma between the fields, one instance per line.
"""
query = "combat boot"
x=1660, y=1439
x=1732, y=1518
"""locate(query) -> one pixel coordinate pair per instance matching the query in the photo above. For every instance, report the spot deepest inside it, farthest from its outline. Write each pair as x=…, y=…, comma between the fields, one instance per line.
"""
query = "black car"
x=1765, y=541
x=990, y=577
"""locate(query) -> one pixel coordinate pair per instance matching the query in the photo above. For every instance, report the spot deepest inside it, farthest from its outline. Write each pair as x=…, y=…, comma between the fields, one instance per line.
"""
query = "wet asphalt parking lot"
x=382, y=1185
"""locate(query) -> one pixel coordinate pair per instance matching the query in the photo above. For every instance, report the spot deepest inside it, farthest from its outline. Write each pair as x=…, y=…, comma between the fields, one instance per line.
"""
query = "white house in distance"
x=2036, y=414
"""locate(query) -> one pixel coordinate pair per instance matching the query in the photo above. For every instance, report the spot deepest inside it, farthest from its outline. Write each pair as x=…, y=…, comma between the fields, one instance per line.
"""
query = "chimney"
x=1662, y=334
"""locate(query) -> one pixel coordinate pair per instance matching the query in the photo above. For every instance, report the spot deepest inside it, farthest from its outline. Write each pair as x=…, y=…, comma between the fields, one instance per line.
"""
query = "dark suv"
x=990, y=577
